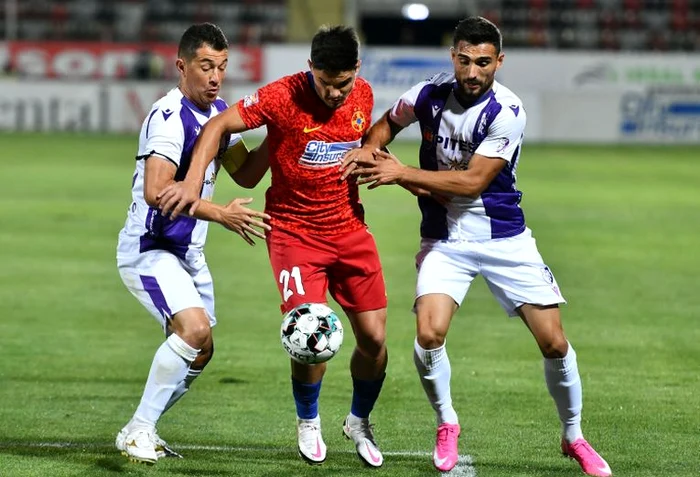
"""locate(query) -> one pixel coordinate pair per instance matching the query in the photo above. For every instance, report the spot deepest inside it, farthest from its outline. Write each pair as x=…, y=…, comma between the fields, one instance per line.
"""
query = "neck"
x=190, y=97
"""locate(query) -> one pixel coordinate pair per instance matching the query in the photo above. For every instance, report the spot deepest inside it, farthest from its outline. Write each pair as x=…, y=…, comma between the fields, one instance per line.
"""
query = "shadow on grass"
x=93, y=459
x=232, y=381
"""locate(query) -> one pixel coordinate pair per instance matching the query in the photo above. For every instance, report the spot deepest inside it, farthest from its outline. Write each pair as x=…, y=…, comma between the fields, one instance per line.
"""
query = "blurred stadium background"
x=587, y=70
x=610, y=176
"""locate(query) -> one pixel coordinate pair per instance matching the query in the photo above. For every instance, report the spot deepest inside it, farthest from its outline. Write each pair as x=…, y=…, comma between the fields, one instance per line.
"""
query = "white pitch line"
x=464, y=467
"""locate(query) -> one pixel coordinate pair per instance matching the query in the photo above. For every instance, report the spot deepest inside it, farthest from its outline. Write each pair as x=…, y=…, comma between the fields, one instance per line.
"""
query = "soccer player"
x=472, y=131
x=319, y=241
x=161, y=261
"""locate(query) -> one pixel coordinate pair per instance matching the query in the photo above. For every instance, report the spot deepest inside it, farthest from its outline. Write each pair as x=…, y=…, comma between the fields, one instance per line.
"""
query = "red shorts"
x=347, y=265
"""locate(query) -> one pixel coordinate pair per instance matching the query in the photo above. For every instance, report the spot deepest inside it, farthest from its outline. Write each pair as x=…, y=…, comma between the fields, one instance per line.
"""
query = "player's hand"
x=385, y=169
x=175, y=197
x=242, y=220
x=360, y=156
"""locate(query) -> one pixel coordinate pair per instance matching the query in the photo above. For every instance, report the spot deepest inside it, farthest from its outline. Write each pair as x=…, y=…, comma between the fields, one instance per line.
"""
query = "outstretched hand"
x=242, y=220
x=354, y=158
x=383, y=169
x=176, y=196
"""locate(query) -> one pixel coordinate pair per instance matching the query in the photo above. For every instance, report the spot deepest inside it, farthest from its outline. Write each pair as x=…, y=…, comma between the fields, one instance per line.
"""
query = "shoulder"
x=164, y=117
x=289, y=82
x=220, y=104
x=441, y=79
x=433, y=91
x=362, y=84
x=506, y=97
x=171, y=101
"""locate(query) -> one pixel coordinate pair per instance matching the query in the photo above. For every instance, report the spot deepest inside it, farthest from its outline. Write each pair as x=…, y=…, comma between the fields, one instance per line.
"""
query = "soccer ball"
x=311, y=333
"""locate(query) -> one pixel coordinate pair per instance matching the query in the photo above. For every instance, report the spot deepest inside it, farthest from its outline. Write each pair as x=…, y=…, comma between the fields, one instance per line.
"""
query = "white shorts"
x=512, y=267
x=165, y=285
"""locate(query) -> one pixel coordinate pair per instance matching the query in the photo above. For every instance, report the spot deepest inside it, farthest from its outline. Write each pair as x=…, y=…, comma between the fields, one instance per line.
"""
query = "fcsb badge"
x=358, y=121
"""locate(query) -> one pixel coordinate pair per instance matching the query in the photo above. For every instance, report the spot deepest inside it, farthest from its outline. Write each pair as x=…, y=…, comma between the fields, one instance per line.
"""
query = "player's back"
x=307, y=141
x=169, y=132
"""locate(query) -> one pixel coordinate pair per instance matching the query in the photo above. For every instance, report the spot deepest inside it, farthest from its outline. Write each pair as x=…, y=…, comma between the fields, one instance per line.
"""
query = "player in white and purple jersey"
x=160, y=260
x=472, y=131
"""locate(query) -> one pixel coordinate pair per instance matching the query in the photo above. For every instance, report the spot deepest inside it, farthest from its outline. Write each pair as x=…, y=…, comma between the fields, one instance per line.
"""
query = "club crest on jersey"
x=325, y=154
x=358, y=121
x=250, y=99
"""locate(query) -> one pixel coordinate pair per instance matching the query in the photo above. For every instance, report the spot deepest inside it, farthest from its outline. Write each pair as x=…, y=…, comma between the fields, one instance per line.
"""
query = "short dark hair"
x=477, y=30
x=198, y=35
x=335, y=49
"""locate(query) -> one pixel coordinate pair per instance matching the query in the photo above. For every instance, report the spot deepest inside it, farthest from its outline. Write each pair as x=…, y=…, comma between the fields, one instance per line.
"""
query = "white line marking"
x=464, y=467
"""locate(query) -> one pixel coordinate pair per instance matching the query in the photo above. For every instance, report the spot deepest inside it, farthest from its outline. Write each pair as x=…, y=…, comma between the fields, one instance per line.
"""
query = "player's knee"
x=428, y=336
x=555, y=346
x=197, y=335
x=204, y=356
x=372, y=343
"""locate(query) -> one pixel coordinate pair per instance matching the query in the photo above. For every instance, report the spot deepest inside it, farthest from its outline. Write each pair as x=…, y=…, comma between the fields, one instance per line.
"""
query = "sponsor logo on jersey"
x=325, y=154
x=250, y=99
x=452, y=143
x=358, y=121
x=502, y=144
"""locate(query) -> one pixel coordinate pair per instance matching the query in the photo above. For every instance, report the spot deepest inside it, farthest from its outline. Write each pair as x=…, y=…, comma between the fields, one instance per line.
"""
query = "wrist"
x=404, y=175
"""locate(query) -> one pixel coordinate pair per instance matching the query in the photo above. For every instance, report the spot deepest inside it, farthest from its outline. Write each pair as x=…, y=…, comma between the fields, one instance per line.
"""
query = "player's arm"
x=470, y=183
x=379, y=135
x=175, y=197
x=160, y=172
x=401, y=115
x=495, y=151
x=253, y=167
x=236, y=217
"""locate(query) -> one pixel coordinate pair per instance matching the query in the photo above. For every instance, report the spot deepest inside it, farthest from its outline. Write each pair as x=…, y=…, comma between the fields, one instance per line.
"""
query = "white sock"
x=169, y=368
x=564, y=384
x=434, y=369
x=182, y=387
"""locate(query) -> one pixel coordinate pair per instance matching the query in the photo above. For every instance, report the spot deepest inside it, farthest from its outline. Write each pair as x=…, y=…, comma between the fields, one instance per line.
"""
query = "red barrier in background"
x=73, y=60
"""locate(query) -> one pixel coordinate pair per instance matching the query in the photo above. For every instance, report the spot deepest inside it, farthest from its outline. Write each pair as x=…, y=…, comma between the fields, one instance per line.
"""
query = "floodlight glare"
x=415, y=11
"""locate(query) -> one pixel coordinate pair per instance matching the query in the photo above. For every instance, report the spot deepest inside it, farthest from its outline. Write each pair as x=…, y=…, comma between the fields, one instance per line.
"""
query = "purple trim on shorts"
x=150, y=284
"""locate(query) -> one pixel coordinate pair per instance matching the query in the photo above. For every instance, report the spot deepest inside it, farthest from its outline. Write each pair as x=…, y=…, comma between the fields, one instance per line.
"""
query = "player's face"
x=202, y=76
x=475, y=67
x=333, y=87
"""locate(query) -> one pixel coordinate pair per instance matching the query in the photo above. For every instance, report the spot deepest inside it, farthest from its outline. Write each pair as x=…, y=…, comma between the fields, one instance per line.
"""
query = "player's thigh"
x=160, y=283
x=356, y=280
x=299, y=266
x=446, y=268
x=204, y=283
x=516, y=273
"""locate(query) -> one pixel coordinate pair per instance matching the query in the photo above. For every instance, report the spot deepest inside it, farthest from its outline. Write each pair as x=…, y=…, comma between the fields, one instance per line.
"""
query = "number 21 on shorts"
x=284, y=280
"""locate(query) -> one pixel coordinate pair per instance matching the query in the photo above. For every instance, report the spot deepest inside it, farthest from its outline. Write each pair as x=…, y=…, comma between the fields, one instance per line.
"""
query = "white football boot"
x=137, y=444
x=162, y=448
x=361, y=432
x=311, y=446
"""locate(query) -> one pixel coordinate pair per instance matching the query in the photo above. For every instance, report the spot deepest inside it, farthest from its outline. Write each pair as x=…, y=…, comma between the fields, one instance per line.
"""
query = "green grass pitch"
x=619, y=226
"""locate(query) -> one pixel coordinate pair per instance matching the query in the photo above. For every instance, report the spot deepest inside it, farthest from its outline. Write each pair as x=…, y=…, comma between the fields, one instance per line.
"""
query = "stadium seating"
x=244, y=22
x=636, y=25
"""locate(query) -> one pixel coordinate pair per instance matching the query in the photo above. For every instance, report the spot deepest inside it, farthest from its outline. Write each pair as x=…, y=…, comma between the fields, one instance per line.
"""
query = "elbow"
x=150, y=199
x=245, y=183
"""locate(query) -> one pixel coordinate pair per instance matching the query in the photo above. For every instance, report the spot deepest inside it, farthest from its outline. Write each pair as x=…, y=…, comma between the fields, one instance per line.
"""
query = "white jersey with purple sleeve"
x=451, y=133
x=168, y=133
